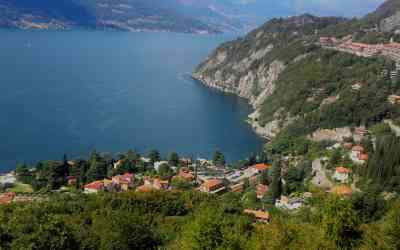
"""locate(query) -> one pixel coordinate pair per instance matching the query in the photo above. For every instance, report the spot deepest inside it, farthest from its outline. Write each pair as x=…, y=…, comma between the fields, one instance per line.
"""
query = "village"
x=206, y=176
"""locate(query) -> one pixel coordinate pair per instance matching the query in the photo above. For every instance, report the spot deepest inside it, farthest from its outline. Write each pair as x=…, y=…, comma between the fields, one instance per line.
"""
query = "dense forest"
x=186, y=220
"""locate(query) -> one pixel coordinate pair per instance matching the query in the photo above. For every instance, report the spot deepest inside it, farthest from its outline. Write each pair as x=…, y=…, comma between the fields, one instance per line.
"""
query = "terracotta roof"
x=96, y=185
x=144, y=188
x=212, y=183
x=7, y=198
x=348, y=145
x=185, y=175
x=392, y=45
x=358, y=148
x=258, y=214
x=157, y=183
x=127, y=177
x=342, y=190
x=363, y=157
x=343, y=170
x=261, y=166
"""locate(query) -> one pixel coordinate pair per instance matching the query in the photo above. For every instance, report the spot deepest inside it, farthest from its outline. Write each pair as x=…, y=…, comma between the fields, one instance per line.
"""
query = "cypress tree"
x=276, y=184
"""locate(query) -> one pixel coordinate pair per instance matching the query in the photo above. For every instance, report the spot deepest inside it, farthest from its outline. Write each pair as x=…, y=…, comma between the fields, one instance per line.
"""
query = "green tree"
x=97, y=169
x=263, y=178
x=219, y=158
x=181, y=184
x=132, y=155
x=336, y=157
x=113, y=230
x=173, y=159
x=53, y=233
x=212, y=229
x=23, y=173
x=165, y=171
x=154, y=156
x=340, y=222
x=249, y=199
x=276, y=183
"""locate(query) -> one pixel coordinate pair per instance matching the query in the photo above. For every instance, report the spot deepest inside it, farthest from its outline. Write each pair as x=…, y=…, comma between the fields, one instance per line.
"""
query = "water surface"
x=72, y=92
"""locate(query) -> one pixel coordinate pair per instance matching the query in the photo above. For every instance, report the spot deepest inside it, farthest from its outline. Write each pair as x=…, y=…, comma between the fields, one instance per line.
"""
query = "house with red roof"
x=160, y=184
x=71, y=180
x=212, y=186
x=144, y=189
x=341, y=190
x=154, y=184
x=363, y=157
x=124, y=182
x=355, y=153
x=94, y=187
x=7, y=198
x=186, y=175
x=328, y=41
x=261, y=167
x=341, y=174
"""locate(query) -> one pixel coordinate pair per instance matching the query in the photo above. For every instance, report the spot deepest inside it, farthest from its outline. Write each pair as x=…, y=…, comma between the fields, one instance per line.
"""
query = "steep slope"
x=387, y=16
x=298, y=87
x=251, y=66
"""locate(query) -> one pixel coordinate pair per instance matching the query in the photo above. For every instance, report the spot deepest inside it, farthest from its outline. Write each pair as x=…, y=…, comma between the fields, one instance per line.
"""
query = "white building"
x=341, y=174
x=289, y=203
x=158, y=164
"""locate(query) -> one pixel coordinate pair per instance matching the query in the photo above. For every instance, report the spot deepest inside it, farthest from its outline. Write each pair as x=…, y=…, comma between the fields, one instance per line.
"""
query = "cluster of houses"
x=391, y=50
x=233, y=180
x=118, y=182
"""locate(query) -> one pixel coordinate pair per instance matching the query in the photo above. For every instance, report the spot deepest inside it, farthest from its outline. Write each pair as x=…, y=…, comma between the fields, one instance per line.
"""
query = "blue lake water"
x=72, y=92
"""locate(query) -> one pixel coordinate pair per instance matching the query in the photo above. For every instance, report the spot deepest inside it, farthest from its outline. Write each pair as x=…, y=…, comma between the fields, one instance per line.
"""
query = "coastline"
x=251, y=118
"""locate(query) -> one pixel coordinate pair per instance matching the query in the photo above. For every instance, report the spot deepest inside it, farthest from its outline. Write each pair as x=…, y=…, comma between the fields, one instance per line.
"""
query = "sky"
x=348, y=8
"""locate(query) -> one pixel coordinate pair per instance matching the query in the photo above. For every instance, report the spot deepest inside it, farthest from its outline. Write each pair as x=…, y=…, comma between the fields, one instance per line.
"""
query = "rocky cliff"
x=298, y=87
x=250, y=66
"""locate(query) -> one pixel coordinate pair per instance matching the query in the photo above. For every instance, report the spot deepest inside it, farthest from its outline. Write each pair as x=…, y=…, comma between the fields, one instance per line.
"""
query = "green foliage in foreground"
x=186, y=220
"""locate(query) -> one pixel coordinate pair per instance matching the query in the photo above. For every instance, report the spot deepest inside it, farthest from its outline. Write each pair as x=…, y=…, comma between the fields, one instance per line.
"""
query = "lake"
x=72, y=92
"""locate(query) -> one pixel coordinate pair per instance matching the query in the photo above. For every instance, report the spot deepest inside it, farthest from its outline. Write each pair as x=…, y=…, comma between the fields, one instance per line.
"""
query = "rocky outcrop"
x=251, y=67
x=391, y=23
x=337, y=134
x=256, y=86
x=267, y=82
x=272, y=128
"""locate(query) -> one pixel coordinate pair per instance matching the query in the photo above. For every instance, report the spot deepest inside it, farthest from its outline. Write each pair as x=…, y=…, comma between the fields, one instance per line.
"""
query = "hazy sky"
x=337, y=7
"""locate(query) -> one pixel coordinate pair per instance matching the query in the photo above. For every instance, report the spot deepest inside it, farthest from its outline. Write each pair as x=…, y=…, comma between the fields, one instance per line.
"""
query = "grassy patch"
x=21, y=188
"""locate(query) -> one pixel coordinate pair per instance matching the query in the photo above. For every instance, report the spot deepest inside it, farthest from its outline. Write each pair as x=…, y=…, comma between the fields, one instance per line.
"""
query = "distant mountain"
x=188, y=16
x=162, y=15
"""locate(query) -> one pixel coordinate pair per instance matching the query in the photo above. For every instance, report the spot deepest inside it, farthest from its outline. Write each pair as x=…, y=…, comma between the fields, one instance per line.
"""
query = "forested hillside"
x=287, y=76
x=185, y=220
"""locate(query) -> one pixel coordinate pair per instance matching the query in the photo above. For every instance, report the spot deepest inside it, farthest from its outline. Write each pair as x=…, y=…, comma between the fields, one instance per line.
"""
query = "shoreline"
x=255, y=126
